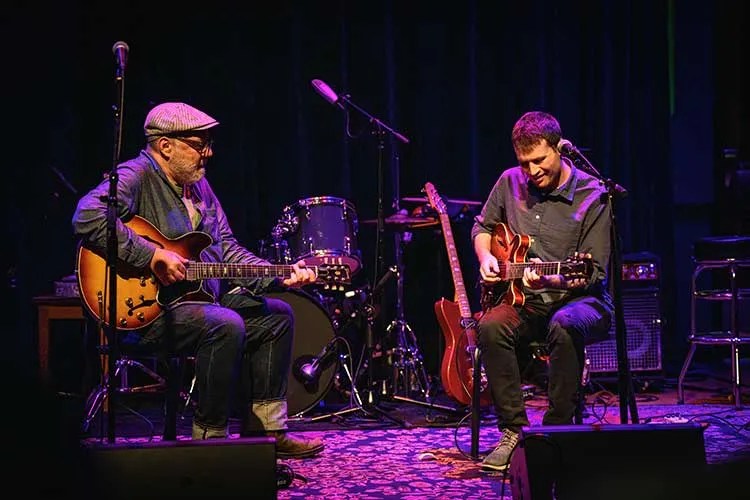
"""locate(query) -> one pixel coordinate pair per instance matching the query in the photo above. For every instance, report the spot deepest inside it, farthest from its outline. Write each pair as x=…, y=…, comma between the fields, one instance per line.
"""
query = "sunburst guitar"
x=141, y=299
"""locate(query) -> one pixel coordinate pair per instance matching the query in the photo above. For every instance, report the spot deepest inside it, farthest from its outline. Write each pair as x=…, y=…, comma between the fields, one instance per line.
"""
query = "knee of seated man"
x=494, y=332
x=278, y=306
x=282, y=310
x=563, y=333
x=227, y=323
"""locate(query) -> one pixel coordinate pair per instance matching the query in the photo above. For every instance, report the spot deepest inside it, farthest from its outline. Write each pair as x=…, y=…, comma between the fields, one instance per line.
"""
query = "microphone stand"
x=625, y=382
x=379, y=129
x=111, y=329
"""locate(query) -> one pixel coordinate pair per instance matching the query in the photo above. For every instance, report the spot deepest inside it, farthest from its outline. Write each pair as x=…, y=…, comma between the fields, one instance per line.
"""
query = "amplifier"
x=641, y=307
x=643, y=325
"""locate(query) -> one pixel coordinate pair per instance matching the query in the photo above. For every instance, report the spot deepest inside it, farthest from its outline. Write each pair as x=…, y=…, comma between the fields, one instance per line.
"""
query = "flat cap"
x=175, y=117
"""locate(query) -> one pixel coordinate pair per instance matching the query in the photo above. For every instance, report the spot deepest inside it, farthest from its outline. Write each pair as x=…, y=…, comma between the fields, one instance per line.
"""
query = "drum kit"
x=324, y=230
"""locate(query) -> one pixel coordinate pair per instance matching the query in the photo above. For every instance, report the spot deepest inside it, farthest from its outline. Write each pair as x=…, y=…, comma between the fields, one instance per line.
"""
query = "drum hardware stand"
x=358, y=405
x=280, y=245
x=409, y=374
x=369, y=404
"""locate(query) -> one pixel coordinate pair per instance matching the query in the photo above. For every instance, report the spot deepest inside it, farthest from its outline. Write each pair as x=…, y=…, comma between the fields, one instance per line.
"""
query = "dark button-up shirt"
x=575, y=217
x=143, y=189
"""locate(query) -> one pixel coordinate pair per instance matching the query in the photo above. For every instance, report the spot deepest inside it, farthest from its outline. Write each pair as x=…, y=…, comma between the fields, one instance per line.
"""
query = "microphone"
x=311, y=371
x=327, y=92
x=566, y=148
x=120, y=50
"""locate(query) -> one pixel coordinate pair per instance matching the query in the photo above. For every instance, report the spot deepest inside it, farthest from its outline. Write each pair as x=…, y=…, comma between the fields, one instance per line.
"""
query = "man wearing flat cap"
x=233, y=324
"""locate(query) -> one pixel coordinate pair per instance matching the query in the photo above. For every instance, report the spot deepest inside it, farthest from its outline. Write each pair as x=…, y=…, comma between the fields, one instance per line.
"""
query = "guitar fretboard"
x=514, y=270
x=217, y=270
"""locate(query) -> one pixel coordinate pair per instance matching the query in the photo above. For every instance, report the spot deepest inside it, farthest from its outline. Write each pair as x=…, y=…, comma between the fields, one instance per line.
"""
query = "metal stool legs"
x=170, y=385
x=734, y=345
x=98, y=395
x=727, y=254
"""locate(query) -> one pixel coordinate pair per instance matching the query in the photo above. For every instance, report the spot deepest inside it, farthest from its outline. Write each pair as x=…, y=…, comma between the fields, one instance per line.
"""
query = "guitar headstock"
x=434, y=198
x=577, y=266
x=333, y=275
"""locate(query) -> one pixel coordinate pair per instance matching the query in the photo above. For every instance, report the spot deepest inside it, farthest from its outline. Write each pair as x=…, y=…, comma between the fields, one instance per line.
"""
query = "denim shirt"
x=575, y=217
x=143, y=189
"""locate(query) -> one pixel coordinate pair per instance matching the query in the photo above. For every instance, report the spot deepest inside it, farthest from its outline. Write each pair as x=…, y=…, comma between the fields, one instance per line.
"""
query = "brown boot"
x=289, y=446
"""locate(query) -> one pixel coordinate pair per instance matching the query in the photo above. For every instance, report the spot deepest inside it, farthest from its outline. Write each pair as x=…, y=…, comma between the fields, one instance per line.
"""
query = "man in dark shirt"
x=230, y=327
x=560, y=214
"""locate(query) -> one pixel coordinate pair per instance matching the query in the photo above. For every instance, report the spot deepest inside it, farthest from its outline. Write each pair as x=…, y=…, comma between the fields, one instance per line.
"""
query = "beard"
x=186, y=173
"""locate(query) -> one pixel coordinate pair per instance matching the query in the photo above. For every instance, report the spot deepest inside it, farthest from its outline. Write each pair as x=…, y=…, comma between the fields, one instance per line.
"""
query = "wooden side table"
x=50, y=308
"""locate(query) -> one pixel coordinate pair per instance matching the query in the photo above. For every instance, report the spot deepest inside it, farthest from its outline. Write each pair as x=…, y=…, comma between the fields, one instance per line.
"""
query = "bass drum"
x=313, y=330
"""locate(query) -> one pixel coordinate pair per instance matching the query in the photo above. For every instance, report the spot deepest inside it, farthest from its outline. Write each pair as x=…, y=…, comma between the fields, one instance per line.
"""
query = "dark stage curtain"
x=453, y=79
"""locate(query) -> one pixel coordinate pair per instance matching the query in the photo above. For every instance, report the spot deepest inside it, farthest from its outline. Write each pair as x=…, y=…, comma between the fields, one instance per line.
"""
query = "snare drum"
x=323, y=230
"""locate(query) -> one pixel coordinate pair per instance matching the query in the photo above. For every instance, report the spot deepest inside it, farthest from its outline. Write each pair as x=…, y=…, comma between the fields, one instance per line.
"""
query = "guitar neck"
x=216, y=270
x=514, y=270
x=458, y=281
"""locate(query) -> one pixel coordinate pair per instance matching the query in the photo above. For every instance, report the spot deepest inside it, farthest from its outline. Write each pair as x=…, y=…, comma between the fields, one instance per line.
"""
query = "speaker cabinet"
x=627, y=461
x=643, y=323
x=220, y=468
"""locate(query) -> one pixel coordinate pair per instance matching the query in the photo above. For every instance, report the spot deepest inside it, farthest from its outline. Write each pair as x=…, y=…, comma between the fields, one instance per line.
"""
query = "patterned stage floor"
x=430, y=456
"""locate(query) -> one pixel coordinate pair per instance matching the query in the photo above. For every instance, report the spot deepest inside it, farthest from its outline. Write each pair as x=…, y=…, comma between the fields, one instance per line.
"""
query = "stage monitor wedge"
x=215, y=468
x=610, y=461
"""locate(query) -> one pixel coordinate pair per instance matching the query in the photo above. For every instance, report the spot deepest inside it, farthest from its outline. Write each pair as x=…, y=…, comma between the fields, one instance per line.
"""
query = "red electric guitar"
x=457, y=322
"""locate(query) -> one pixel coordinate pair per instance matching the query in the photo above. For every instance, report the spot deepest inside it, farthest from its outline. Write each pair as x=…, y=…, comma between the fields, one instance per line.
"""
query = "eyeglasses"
x=199, y=146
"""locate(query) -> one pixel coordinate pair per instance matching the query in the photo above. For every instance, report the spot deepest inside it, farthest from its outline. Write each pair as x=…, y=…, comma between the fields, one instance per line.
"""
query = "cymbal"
x=447, y=200
x=403, y=222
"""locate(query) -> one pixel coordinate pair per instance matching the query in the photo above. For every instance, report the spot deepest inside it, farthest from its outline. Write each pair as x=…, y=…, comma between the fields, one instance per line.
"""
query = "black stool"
x=725, y=254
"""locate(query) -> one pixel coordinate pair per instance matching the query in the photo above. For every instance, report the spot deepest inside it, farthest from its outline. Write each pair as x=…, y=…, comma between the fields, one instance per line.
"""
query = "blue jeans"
x=241, y=346
x=565, y=330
